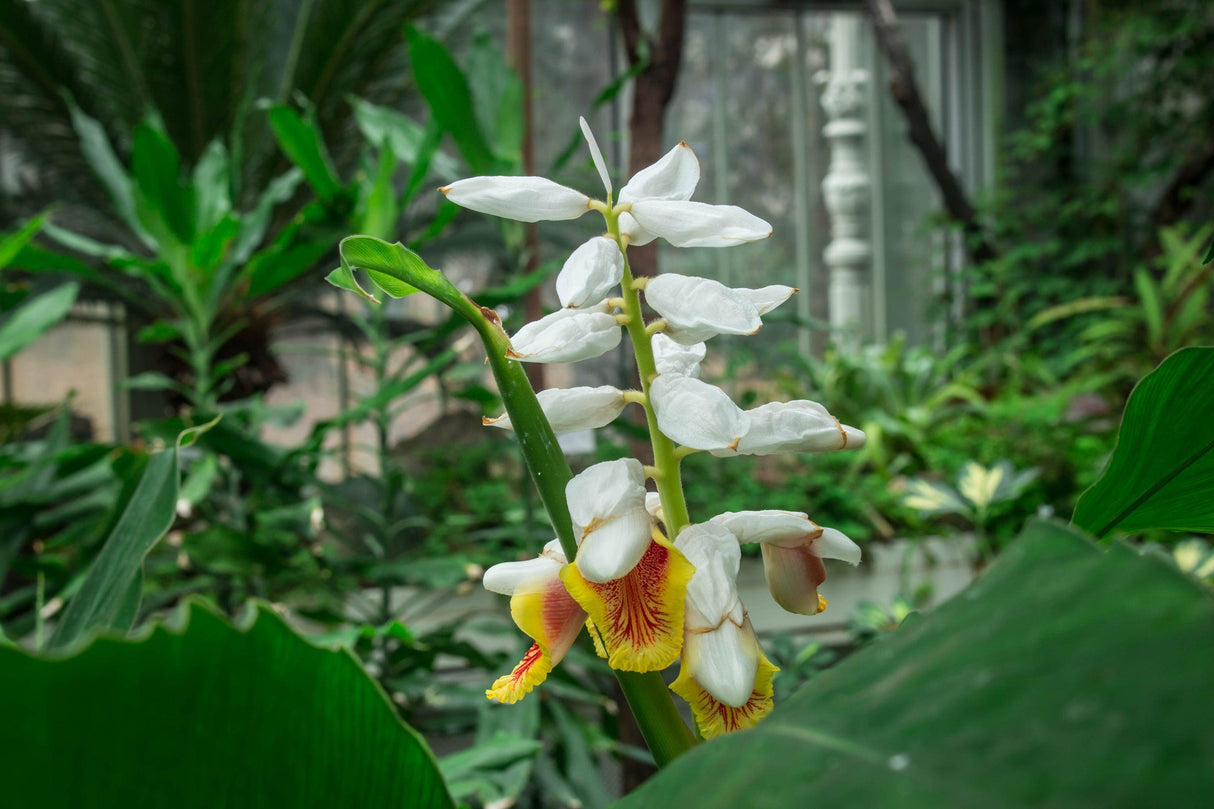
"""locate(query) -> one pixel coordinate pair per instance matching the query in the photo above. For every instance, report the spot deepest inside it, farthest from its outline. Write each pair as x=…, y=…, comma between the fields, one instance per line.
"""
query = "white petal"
x=527, y=199
x=834, y=544
x=590, y=273
x=724, y=662
x=571, y=409
x=697, y=224
x=673, y=177
x=653, y=504
x=610, y=523
x=797, y=426
x=553, y=549
x=595, y=154
x=785, y=528
x=712, y=593
x=766, y=298
x=636, y=234
x=675, y=358
x=507, y=577
x=698, y=308
x=566, y=335
x=696, y=414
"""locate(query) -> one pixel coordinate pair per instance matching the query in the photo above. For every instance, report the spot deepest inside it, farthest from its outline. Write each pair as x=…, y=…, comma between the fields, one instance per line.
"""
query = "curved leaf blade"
x=34, y=317
x=1161, y=474
x=202, y=714
x=1068, y=675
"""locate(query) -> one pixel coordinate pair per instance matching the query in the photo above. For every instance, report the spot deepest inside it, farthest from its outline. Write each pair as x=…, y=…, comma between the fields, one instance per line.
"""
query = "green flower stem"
x=651, y=702
x=665, y=456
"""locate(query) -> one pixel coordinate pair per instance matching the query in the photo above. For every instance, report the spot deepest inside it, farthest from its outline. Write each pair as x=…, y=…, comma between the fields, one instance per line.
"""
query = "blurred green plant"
x=977, y=491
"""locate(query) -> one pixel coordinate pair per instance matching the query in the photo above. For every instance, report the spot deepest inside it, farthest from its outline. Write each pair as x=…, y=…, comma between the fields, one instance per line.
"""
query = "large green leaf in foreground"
x=1161, y=474
x=206, y=715
x=1066, y=676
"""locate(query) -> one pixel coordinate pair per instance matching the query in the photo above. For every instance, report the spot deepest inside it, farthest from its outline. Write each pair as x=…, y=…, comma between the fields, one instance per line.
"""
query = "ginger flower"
x=541, y=608
x=793, y=549
x=724, y=676
x=626, y=575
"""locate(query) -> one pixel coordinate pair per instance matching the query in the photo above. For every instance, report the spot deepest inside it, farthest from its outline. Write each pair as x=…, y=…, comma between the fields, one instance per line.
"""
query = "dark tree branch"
x=905, y=92
x=659, y=56
x=1178, y=197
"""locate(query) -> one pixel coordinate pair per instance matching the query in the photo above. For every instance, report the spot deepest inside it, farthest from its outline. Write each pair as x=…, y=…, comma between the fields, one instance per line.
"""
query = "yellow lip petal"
x=715, y=718
x=599, y=648
x=640, y=615
x=553, y=620
x=531, y=671
x=549, y=616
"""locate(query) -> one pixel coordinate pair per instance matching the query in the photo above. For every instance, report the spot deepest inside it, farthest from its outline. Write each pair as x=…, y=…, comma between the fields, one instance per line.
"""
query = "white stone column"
x=846, y=187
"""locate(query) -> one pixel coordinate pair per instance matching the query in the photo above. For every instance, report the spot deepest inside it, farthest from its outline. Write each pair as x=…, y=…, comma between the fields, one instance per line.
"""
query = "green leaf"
x=212, y=185
x=1151, y=306
x=275, y=267
x=164, y=203
x=198, y=713
x=1067, y=675
x=446, y=90
x=1161, y=474
x=34, y=317
x=12, y=244
x=301, y=141
x=105, y=598
x=96, y=148
x=343, y=278
x=395, y=269
x=150, y=380
x=407, y=139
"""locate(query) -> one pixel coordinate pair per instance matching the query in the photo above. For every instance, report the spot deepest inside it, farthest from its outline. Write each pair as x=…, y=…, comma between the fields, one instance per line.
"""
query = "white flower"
x=675, y=358
x=714, y=648
x=797, y=426
x=566, y=335
x=527, y=199
x=590, y=273
x=571, y=409
x=696, y=414
x=610, y=523
x=506, y=578
x=698, y=224
x=793, y=549
x=696, y=309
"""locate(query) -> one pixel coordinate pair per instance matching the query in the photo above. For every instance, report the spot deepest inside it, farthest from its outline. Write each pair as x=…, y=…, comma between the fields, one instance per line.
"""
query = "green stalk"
x=668, y=477
x=652, y=705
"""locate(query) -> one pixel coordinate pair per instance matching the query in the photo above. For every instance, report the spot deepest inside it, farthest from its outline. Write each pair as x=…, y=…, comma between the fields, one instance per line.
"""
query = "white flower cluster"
x=620, y=527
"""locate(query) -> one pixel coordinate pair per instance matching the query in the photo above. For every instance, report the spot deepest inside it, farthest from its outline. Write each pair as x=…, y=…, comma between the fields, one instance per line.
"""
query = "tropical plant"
x=978, y=490
x=204, y=67
x=1170, y=310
